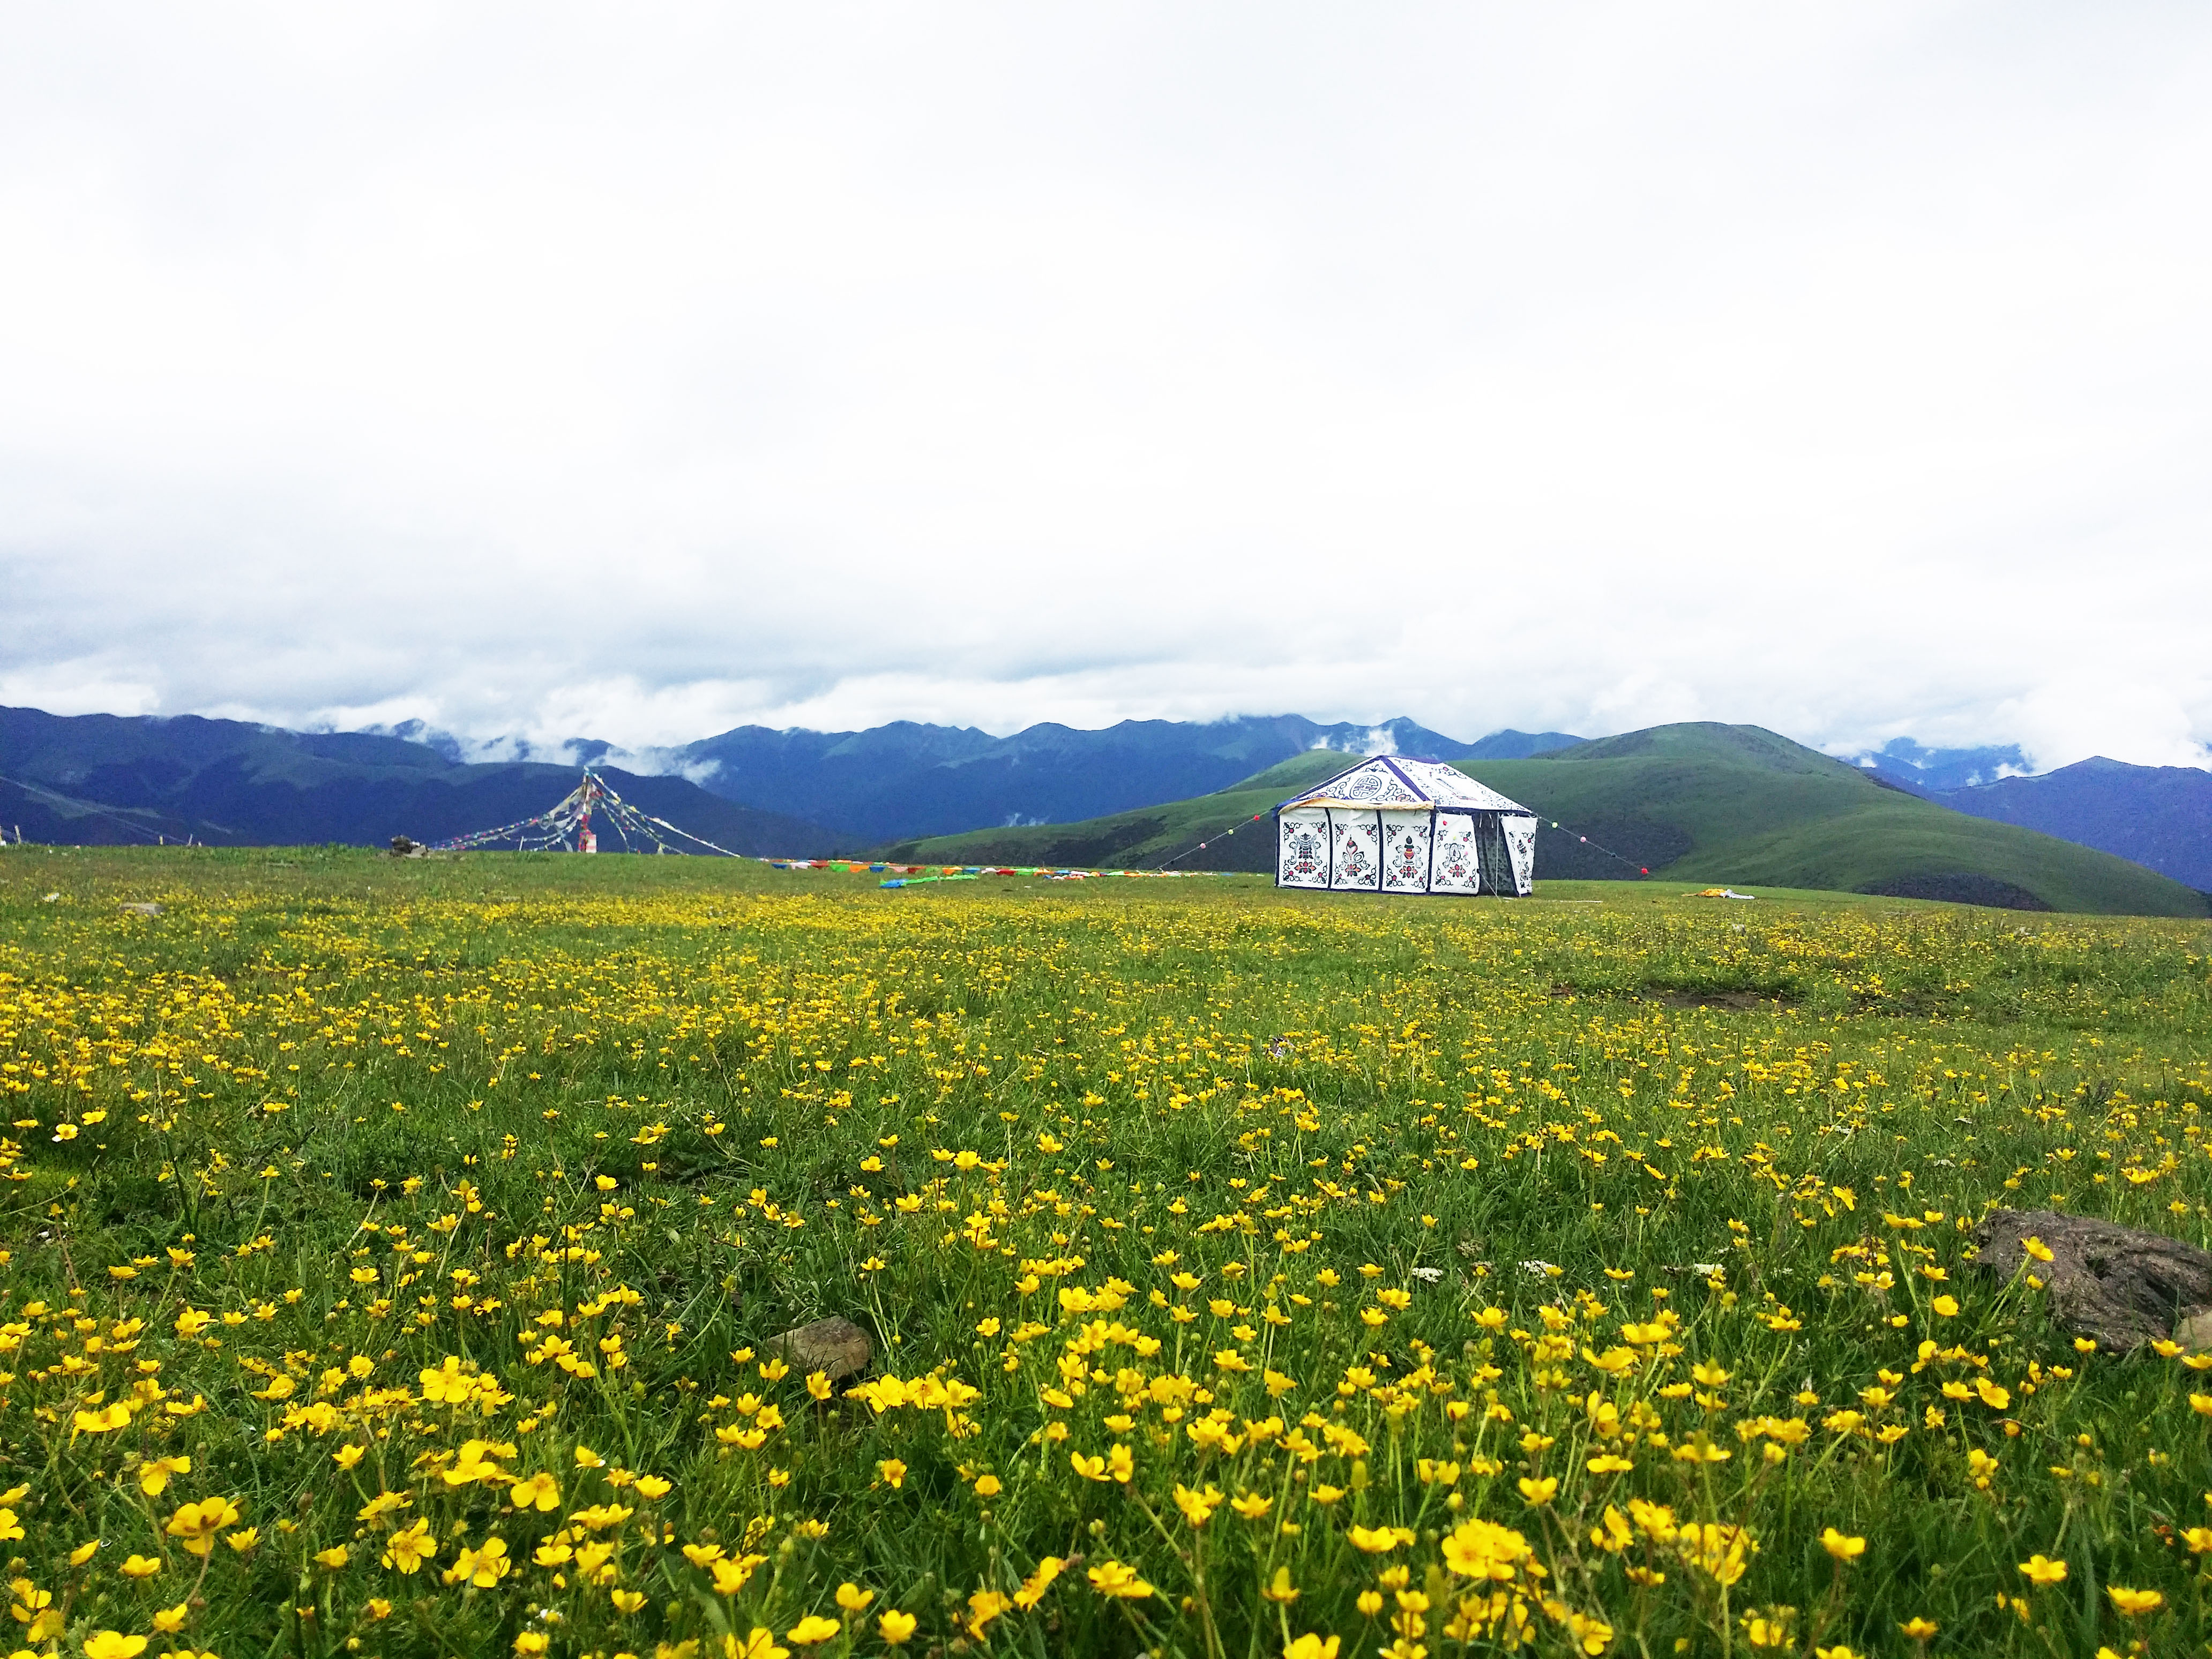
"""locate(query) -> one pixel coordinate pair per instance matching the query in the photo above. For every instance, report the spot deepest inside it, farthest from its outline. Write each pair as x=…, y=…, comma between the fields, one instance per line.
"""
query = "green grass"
x=1700, y=803
x=334, y=1122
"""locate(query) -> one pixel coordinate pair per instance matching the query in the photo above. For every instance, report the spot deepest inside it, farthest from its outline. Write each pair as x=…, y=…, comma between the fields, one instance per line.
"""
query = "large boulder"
x=2120, y=1285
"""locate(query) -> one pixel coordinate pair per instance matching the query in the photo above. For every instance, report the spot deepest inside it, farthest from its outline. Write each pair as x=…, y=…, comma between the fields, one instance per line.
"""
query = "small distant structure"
x=567, y=828
x=1394, y=824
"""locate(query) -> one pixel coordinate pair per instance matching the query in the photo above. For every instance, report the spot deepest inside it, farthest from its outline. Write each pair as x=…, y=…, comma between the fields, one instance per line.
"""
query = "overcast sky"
x=637, y=372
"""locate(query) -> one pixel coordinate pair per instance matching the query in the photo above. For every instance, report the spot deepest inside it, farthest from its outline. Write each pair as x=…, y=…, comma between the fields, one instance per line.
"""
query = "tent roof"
x=1398, y=780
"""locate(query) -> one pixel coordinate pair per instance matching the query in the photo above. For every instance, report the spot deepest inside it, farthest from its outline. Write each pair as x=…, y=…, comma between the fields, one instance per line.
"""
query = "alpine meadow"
x=396, y=1253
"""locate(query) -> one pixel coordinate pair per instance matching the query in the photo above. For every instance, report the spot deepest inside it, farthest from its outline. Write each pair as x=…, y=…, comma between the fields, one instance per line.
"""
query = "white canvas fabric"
x=1356, y=851
x=1396, y=825
x=1520, y=843
x=1302, y=847
x=1372, y=783
x=1406, y=852
x=1451, y=857
x=1447, y=785
x=1386, y=780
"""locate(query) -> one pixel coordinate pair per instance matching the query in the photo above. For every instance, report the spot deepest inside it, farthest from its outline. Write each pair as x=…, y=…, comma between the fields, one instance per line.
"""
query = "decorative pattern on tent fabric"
x=1402, y=825
x=1406, y=852
x=1447, y=785
x=1381, y=785
x=1520, y=843
x=1302, y=845
x=1357, y=851
x=1451, y=863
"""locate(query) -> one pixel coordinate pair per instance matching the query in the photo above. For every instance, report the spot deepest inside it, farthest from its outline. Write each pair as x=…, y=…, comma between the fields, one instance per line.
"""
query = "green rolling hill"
x=1693, y=802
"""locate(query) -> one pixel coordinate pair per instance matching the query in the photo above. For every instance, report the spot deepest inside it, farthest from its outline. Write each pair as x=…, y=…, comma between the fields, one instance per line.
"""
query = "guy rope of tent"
x=1212, y=836
x=1218, y=834
x=1640, y=869
x=566, y=827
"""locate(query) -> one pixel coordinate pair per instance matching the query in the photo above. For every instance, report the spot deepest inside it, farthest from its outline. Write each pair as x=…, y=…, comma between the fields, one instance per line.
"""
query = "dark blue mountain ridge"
x=906, y=778
x=113, y=779
x=1913, y=766
x=2159, y=816
x=103, y=777
x=903, y=781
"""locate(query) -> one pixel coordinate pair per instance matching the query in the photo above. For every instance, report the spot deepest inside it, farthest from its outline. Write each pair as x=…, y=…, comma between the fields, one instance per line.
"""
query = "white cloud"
x=85, y=686
x=546, y=374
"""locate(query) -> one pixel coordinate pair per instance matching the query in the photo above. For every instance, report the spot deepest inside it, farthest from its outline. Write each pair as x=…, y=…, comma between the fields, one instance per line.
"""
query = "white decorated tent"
x=1394, y=825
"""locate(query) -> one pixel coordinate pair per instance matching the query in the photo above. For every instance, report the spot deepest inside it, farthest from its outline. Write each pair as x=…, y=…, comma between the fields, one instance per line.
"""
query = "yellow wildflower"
x=1379, y=1540
x=1114, y=1578
x=538, y=1492
x=407, y=1549
x=195, y=1525
x=154, y=1476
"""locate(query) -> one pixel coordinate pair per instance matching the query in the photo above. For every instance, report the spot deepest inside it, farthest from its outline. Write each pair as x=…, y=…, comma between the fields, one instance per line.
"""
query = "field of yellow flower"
x=390, y=1255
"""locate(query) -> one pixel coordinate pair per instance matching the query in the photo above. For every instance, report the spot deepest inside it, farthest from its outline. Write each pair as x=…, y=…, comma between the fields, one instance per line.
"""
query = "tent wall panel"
x=1521, y=843
x=1355, y=850
x=1302, y=847
x=1406, y=851
x=1452, y=867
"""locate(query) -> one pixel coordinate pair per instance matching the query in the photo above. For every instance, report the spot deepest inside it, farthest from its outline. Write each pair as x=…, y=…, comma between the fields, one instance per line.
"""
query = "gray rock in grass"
x=2119, y=1286
x=836, y=1346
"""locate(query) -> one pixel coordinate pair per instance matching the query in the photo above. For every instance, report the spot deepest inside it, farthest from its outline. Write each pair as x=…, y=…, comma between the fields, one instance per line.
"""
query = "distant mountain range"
x=94, y=780
x=1698, y=802
x=102, y=778
x=901, y=780
x=1913, y=766
x=2159, y=816
x=127, y=780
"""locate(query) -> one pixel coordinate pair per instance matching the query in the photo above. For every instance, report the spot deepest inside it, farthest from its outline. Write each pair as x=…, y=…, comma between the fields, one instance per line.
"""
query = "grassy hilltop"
x=393, y=1251
x=1696, y=802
